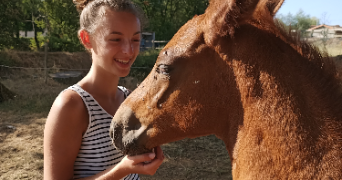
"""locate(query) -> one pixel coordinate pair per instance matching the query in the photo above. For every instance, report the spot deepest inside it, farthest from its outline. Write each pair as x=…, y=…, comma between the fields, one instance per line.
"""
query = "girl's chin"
x=121, y=72
x=122, y=69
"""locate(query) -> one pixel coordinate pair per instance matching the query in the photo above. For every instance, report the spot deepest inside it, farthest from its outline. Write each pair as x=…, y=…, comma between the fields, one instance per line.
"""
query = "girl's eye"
x=136, y=40
x=115, y=40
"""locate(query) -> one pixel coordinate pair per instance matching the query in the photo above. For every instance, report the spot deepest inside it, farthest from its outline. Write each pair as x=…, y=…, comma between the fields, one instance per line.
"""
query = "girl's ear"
x=85, y=38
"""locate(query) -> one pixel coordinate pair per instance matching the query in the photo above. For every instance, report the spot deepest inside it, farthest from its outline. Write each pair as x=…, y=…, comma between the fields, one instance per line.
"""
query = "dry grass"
x=332, y=46
x=21, y=127
x=21, y=150
x=199, y=158
x=77, y=60
x=33, y=95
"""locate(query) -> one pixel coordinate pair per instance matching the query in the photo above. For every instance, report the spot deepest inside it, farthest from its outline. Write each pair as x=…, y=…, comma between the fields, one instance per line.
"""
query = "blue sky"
x=332, y=8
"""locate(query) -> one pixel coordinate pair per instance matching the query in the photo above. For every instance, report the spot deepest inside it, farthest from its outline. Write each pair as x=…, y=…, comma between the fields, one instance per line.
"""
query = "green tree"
x=300, y=21
x=11, y=21
x=62, y=22
x=315, y=21
x=17, y=15
x=167, y=16
x=31, y=10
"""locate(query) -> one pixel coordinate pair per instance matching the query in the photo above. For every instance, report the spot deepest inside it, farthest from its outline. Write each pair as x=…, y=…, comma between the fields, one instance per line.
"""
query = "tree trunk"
x=36, y=40
x=35, y=33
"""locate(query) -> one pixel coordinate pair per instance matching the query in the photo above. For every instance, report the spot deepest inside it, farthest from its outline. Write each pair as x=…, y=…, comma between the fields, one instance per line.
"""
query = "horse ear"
x=273, y=6
x=222, y=17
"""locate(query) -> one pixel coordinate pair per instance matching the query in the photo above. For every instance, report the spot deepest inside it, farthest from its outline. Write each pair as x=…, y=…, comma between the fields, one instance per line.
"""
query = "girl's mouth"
x=122, y=61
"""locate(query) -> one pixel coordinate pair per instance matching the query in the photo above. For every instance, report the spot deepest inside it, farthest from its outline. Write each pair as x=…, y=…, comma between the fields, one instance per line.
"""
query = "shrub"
x=65, y=44
x=147, y=58
x=21, y=44
x=33, y=45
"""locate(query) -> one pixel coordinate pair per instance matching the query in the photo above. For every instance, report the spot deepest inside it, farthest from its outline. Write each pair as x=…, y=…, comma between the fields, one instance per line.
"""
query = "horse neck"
x=286, y=115
x=275, y=73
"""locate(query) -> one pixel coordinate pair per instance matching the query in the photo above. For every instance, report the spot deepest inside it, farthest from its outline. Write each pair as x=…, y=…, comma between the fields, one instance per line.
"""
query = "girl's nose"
x=127, y=47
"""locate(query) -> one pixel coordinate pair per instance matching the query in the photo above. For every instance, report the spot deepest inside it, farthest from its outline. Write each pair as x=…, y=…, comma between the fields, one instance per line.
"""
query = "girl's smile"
x=124, y=63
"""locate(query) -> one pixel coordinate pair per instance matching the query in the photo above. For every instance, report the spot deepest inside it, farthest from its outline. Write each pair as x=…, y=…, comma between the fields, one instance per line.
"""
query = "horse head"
x=192, y=90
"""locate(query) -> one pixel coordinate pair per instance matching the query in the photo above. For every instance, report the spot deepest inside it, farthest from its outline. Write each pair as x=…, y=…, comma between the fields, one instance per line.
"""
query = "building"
x=30, y=34
x=147, y=40
x=325, y=31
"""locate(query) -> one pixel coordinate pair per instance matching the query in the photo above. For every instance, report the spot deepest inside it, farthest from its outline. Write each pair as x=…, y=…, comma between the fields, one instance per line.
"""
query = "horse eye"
x=163, y=69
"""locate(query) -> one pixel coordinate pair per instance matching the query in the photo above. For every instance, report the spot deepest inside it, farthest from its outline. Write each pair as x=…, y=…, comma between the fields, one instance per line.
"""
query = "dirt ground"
x=21, y=146
x=199, y=158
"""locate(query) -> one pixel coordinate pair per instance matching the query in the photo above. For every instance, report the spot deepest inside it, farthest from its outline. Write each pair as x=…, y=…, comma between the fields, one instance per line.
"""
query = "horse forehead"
x=186, y=36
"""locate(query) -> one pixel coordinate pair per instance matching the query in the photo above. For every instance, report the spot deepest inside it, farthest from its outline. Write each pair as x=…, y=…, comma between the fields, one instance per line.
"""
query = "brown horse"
x=232, y=72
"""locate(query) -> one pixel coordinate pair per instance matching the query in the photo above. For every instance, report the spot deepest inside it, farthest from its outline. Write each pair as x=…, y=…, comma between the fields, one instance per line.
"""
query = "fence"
x=153, y=44
x=66, y=76
x=157, y=42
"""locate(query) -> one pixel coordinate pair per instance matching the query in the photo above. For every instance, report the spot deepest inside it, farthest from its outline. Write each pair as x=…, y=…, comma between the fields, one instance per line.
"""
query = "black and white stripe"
x=97, y=152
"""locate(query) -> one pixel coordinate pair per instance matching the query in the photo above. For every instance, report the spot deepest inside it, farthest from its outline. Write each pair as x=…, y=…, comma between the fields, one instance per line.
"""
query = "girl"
x=76, y=137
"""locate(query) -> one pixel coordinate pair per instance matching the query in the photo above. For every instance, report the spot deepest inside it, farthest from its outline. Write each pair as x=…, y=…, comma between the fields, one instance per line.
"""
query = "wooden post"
x=153, y=39
x=46, y=47
x=47, y=27
x=1, y=91
x=45, y=60
x=1, y=83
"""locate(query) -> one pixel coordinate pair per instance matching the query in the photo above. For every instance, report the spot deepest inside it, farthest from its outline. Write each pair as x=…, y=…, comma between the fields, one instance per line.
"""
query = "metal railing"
x=154, y=42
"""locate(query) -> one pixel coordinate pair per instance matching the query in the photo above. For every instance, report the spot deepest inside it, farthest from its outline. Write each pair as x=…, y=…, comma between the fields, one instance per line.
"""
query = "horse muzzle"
x=127, y=133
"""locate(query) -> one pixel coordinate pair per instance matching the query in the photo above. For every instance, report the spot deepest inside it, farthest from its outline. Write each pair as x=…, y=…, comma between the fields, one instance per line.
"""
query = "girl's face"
x=115, y=43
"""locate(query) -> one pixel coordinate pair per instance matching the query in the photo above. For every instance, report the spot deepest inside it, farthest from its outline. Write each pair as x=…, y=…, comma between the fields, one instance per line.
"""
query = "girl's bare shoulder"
x=69, y=107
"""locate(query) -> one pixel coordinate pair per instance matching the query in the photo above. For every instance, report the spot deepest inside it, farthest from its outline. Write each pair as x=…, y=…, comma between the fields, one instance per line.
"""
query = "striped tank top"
x=97, y=152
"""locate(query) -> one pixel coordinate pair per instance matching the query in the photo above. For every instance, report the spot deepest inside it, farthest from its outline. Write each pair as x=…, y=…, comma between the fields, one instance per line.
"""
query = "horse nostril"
x=111, y=130
x=116, y=135
x=137, y=126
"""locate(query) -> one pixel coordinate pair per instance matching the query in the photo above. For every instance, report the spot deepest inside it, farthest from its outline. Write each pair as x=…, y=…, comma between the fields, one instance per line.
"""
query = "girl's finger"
x=159, y=153
x=156, y=162
x=142, y=158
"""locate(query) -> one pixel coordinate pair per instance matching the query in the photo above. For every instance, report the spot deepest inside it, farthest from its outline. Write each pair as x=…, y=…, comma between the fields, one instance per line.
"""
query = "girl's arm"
x=64, y=128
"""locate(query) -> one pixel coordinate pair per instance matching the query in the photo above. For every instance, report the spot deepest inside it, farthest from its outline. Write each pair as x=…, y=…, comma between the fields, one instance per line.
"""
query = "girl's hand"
x=136, y=164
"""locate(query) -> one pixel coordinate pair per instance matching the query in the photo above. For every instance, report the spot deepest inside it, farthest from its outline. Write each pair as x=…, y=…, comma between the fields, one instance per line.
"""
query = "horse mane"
x=322, y=70
x=320, y=58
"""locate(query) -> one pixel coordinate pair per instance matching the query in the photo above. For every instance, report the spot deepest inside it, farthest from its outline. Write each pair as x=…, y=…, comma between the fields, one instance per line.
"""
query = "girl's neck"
x=98, y=82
